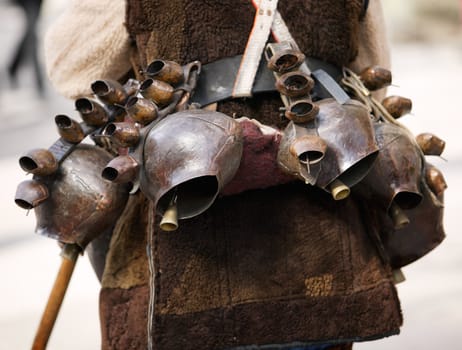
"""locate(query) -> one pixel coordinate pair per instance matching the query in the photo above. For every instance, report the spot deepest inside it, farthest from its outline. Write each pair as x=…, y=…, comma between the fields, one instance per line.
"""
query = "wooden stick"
x=69, y=256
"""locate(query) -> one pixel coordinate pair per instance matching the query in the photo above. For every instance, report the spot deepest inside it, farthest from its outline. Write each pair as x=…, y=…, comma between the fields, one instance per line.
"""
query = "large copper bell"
x=394, y=181
x=188, y=157
x=424, y=232
x=81, y=205
x=351, y=148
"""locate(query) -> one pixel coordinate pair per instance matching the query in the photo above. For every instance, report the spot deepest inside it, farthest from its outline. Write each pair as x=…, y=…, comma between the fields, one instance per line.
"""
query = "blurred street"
x=426, y=70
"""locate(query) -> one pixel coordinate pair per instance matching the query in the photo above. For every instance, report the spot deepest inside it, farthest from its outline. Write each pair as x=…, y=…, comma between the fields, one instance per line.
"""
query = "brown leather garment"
x=267, y=266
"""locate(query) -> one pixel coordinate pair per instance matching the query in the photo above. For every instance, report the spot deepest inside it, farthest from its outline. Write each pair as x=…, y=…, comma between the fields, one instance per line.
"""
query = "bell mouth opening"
x=28, y=164
x=24, y=204
x=63, y=121
x=155, y=67
x=407, y=199
x=302, y=109
x=131, y=102
x=100, y=88
x=311, y=157
x=110, y=173
x=146, y=84
x=84, y=105
x=358, y=171
x=287, y=62
x=296, y=82
x=193, y=197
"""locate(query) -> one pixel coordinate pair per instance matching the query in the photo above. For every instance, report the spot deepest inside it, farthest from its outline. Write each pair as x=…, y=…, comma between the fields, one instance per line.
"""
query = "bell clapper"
x=398, y=216
x=339, y=190
x=169, y=220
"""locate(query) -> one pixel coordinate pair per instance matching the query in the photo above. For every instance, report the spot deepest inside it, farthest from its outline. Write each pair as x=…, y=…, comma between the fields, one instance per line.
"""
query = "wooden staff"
x=69, y=256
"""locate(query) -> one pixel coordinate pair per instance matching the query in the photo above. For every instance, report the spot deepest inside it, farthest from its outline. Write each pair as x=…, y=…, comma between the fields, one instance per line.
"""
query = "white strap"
x=281, y=33
x=264, y=16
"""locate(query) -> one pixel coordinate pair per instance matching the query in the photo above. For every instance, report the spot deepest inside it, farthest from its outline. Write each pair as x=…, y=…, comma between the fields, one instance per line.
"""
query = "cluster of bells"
x=147, y=136
x=339, y=144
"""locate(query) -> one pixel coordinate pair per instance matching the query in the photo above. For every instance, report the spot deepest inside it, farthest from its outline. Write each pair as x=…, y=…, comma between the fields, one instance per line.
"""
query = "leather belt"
x=216, y=80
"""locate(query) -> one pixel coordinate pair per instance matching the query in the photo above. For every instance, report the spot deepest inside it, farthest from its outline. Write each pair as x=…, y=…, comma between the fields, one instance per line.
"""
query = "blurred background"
x=425, y=37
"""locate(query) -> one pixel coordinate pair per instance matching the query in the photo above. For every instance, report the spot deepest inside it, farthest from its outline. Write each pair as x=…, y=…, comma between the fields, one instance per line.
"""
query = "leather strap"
x=264, y=15
x=216, y=80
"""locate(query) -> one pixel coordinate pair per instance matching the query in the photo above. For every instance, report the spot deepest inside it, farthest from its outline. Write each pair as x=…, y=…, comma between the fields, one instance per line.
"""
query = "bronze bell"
x=424, y=232
x=394, y=180
x=39, y=161
x=110, y=92
x=158, y=91
x=69, y=129
x=123, y=134
x=300, y=150
x=166, y=71
x=375, y=77
x=351, y=147
x=121, y=169
x=294, y=84
x=188, y=157
x=435, y=179
x=397, y=106
x=285, y=59
x=92, y=113
x=30, y=194
x=430, y=144
x=141, y=110
x=81, y=204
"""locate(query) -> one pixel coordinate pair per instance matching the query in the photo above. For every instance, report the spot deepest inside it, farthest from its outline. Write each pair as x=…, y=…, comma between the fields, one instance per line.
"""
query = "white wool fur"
x=89, y=41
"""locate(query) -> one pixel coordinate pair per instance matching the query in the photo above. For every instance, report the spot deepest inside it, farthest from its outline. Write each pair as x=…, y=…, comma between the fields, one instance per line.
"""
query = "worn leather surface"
x=221, y=278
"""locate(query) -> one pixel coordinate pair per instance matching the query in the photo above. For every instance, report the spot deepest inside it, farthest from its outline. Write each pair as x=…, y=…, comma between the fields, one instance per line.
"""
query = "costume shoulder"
x=88, y=41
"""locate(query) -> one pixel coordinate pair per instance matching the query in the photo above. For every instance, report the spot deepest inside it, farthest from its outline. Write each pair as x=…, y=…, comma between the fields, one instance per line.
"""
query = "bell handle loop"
x=69, y=254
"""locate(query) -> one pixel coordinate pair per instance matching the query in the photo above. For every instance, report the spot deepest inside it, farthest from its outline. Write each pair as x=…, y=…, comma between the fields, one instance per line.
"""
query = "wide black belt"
x=216, y=80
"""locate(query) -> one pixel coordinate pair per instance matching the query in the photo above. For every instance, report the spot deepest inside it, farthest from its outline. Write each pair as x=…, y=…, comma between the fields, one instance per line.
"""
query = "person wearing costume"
x=273, y=263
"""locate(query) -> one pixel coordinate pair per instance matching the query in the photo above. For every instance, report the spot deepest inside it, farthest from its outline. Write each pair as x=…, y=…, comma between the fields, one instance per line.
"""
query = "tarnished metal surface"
x=424, y=232
x=430, y=144
x=81, y=204
x=375, y=78
x=191, y=154
x=351, y=146
x=300, y=151
x=396, y=175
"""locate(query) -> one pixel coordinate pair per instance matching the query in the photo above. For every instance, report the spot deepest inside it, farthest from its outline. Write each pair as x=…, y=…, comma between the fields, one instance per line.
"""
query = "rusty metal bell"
x=394, y=180
x=351, y=147
x=81, y=204
x=188, y=158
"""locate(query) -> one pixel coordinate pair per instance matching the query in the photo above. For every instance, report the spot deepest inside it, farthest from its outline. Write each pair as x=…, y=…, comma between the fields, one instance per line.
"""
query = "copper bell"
x=81, y=204
x=188, y=157
x=300, y=150
x=394, y=180
x=351, y=147
x=424, y=232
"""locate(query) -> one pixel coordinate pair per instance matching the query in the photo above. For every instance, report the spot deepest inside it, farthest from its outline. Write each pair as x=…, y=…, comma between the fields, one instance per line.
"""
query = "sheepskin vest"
x=279, y=265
